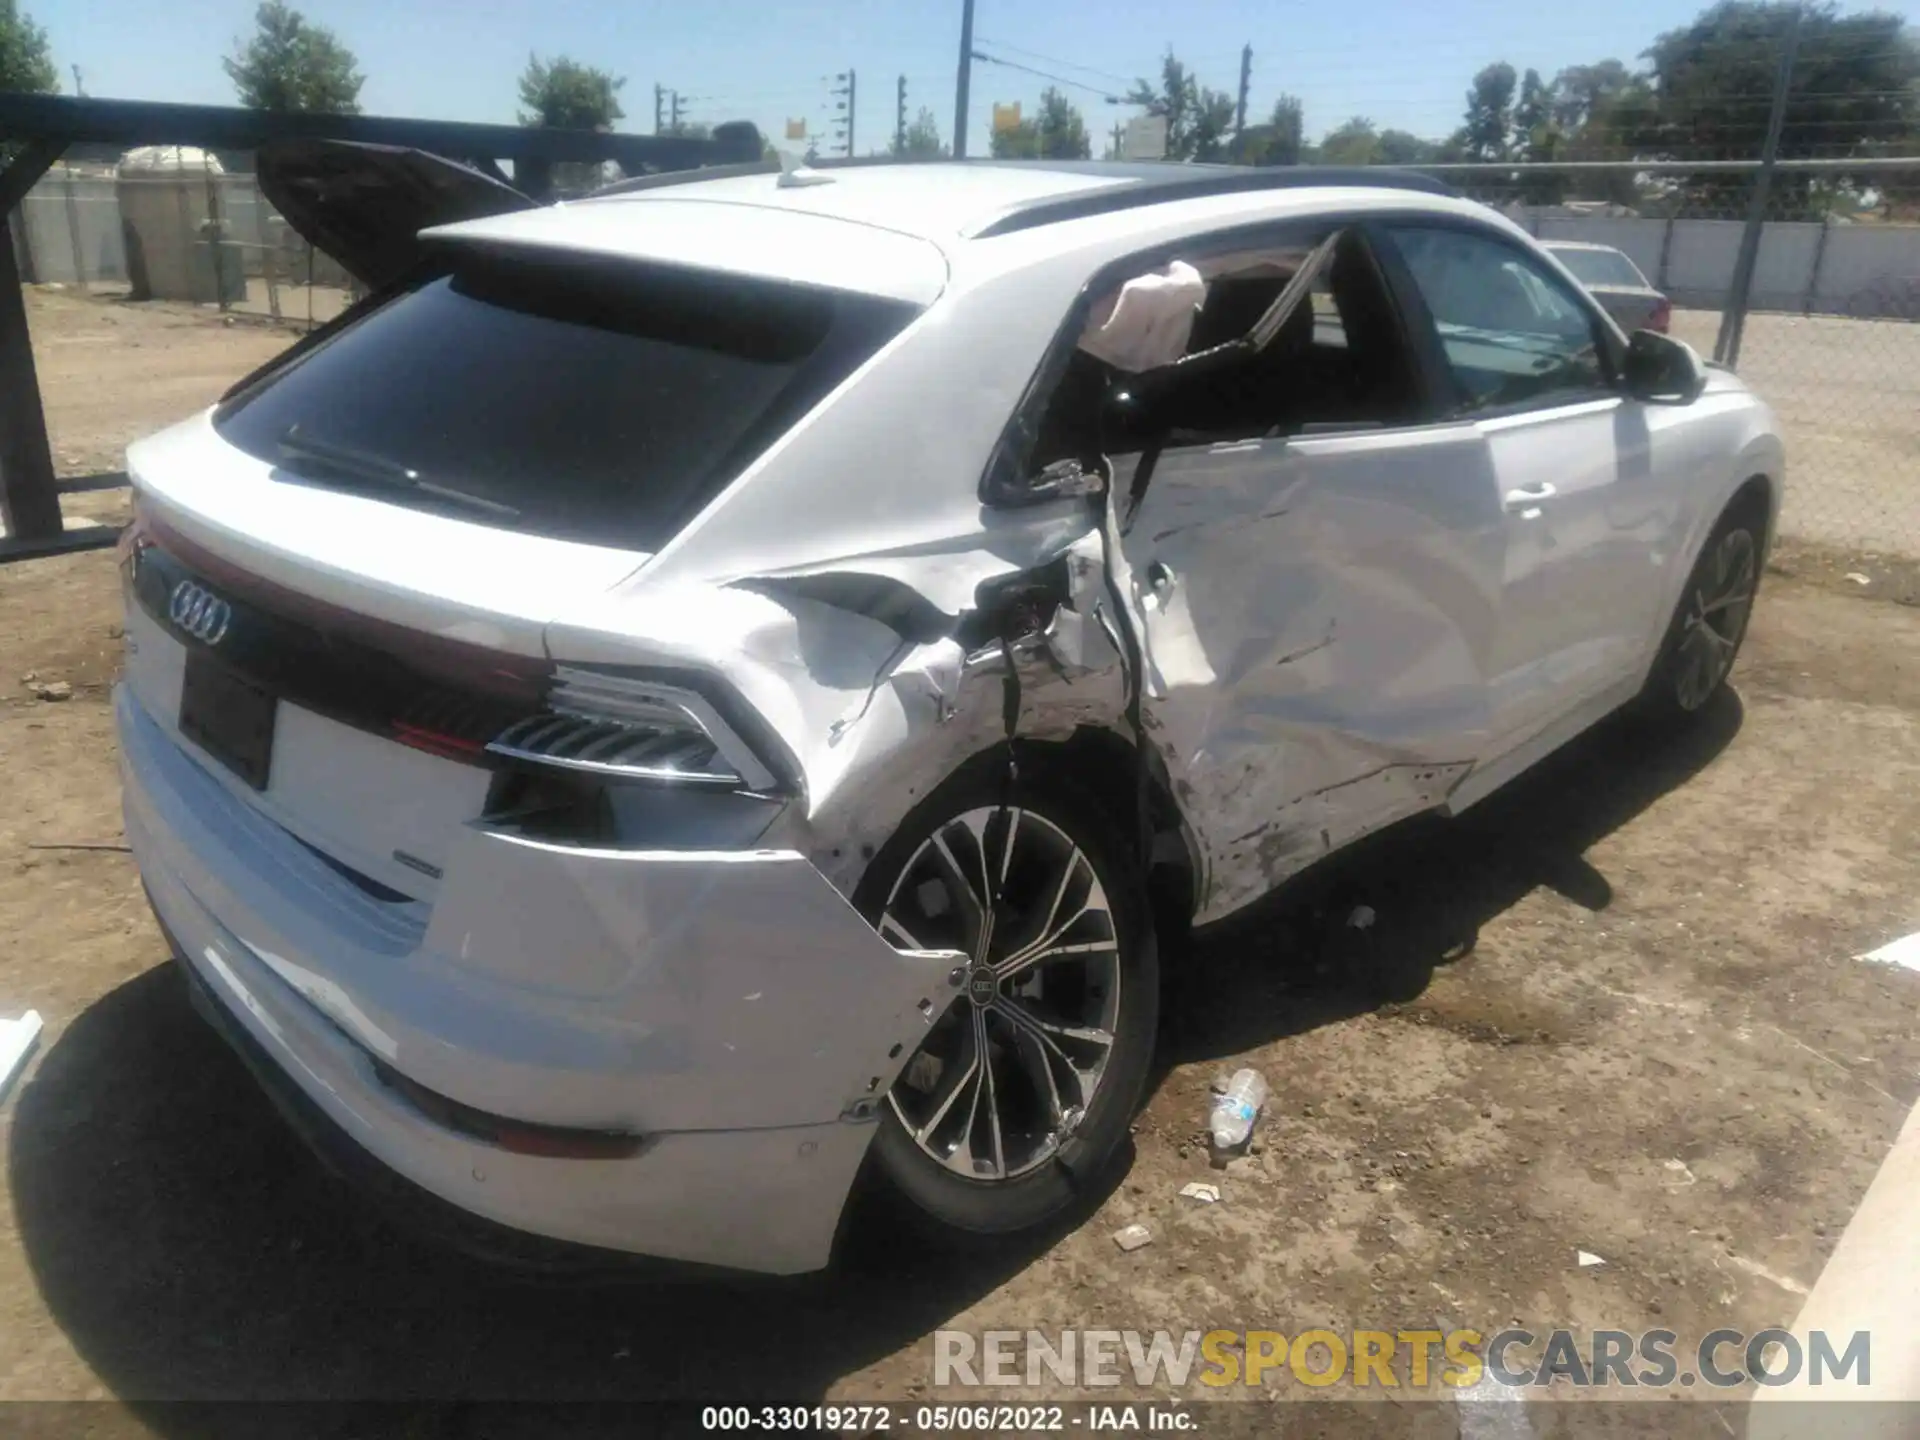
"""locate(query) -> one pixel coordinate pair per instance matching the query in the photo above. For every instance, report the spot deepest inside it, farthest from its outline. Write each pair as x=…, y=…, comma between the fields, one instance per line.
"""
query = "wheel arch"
x=1105, y=765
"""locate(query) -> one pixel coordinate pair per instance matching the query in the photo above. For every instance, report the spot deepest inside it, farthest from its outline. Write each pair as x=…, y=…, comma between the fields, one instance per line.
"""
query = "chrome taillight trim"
x=592, y=717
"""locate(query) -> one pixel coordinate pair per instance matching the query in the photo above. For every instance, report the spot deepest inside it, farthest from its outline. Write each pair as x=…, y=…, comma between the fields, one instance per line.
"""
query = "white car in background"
x=686, y=697
x=1616, y=282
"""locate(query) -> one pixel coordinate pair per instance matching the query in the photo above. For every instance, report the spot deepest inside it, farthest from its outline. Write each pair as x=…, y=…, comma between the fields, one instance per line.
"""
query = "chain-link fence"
x=174, y=224
x=1827, y=329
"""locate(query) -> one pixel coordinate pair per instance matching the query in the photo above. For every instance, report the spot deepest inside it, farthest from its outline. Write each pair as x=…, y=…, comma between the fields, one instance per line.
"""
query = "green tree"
x=922, y=139
x=1537, y=140
x=563, y=94
x=1213, y=112
x=25, y=63
x=291, y=64
x=1353, y=143
x=1174, y=101
x=1058, y=132
x=1402, y=147
x=1280, y=140
x=1584, y=94
x=1533, y=117
x=1856, y=79
x=1488, y=132
x=1855, y=85
x=1199, y=119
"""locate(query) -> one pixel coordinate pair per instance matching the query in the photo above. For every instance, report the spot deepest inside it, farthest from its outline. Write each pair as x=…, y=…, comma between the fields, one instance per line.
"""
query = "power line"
x=1044, y=75
x=1056, y=60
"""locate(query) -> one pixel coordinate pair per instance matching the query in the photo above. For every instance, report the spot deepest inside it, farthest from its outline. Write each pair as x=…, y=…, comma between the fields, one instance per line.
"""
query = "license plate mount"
x=228, y=716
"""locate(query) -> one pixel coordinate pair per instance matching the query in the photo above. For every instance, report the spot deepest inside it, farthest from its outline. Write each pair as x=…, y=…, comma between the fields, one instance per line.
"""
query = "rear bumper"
x=408, y=1205
x=570, y=989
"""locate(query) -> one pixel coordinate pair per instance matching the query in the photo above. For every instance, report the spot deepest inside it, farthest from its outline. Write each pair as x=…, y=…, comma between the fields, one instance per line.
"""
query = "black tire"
x=1053, y=814
x=1698, y=650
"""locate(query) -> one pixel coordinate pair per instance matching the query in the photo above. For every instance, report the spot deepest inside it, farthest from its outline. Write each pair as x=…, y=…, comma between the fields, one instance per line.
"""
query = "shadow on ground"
x=1423, y=890
x=191, y=1249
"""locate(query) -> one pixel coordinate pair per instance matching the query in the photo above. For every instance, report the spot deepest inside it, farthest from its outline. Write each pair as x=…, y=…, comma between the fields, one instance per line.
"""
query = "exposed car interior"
x=1337, y=361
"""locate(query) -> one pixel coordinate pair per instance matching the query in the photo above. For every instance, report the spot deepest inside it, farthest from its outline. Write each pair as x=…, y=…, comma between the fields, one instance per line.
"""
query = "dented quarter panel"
x=872, y=720
x=1317, y=665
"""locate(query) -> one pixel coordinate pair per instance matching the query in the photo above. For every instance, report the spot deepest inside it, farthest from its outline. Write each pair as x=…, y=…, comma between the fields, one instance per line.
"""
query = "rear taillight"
x=620, y=727
x=1662, y=316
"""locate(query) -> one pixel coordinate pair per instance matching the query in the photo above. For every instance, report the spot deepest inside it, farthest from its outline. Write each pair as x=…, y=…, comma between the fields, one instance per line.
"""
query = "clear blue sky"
x=1403, y=63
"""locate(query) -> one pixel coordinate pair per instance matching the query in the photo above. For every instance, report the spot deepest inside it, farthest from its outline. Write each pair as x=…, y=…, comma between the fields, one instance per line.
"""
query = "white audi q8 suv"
x=686, y=699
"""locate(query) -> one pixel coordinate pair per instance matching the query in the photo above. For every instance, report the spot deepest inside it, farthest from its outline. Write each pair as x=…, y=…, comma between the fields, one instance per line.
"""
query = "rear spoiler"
x=365, y=204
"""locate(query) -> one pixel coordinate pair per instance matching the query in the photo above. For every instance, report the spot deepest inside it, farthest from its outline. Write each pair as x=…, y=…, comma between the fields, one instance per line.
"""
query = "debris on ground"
x=1199, y=1190
x=17, y=1038
x=1587, y=1259
x=1683, y=1176
x=1362, y=918
x=1237, y=1108
x=1858, y=579
x=1132, y=1237
x=50, y=689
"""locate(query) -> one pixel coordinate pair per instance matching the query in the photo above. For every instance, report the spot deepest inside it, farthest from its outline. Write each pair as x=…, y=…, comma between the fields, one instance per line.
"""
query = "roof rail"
x=684, y=177
x=1192, y=182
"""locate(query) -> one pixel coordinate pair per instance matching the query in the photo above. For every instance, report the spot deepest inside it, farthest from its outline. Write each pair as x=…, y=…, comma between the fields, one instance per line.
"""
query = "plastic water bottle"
x=1235, y=1109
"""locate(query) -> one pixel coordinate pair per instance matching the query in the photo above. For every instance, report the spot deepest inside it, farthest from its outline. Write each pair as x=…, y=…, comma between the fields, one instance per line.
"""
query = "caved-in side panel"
x=1318, y=616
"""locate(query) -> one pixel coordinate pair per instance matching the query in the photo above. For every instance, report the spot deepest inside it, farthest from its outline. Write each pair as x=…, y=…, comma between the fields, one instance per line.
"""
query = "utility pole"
x=676, y=112
x=900, y=117
x=965, y=81
x=1240, y=110
x=659, y=108
x=850, y=91
x=1119, y=139
x=78, y=88
x=1733, y=320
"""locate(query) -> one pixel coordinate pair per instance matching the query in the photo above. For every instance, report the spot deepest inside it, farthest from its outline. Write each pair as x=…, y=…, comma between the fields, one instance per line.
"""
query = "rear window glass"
x=1600, y=267
x=588, y=400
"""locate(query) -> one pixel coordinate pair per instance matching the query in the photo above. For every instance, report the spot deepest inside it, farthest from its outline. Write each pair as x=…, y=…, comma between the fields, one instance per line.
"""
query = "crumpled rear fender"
x=876, y=707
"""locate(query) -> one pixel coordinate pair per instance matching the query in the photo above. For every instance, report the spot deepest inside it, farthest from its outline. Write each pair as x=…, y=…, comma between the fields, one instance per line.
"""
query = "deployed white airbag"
x=1149, y=320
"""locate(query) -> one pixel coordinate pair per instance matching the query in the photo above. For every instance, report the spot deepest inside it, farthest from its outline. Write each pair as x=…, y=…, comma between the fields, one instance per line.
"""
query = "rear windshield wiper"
x=380, y=472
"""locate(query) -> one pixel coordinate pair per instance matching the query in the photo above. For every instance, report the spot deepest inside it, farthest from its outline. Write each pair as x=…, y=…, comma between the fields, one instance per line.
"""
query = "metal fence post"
x=29, y=496
x=1819, y=259
x=215, y=246
x=187, y=231
x=23, y=244
x=73, y=228
x=1666, y=252
x=269, y=261
x=1733, y=320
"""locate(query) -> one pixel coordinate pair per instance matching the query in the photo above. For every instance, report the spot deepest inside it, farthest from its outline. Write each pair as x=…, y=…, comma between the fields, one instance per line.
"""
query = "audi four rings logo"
x=200, y=613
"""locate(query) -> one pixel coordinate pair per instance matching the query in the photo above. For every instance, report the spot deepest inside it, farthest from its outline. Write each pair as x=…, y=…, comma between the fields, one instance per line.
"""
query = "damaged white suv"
x=685, y=697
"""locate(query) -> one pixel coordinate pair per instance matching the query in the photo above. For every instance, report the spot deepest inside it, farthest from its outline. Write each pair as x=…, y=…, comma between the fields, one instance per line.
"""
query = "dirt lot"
x=1657, y=1049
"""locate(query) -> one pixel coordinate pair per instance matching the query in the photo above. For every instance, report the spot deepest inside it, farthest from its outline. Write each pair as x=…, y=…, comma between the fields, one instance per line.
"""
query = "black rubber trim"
x=1167, y=183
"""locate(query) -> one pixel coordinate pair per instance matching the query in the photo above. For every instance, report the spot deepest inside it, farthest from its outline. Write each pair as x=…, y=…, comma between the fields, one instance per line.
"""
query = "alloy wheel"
x=1719, y=599
x=1008, y=1072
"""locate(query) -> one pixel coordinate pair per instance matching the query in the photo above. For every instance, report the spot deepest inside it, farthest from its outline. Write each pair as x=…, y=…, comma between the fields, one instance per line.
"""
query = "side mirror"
x=1662, y=370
